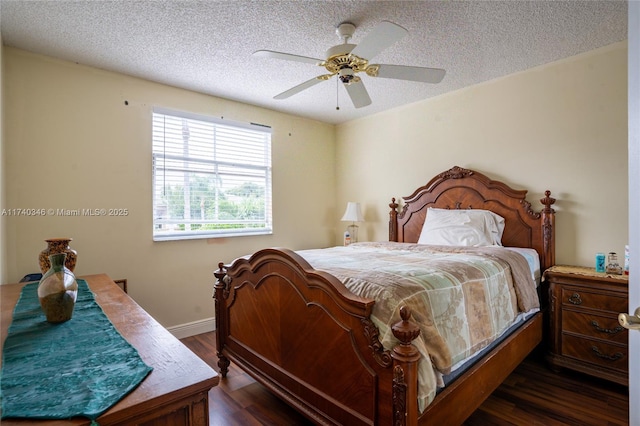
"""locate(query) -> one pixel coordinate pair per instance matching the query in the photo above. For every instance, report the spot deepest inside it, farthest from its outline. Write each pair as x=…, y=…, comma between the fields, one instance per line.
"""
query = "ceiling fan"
x=347, y=60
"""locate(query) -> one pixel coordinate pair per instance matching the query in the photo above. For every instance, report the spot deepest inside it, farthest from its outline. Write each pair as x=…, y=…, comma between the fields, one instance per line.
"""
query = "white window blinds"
x=211, y=178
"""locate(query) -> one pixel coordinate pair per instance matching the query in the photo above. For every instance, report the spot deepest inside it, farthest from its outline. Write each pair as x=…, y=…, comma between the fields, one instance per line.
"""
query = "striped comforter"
x=463, y=298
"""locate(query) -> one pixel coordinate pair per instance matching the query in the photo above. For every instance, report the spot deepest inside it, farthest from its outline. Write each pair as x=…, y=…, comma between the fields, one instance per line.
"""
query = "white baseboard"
x=192, y=328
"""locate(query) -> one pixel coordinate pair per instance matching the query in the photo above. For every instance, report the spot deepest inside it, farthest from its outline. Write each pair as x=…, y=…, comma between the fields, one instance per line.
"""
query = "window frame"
x=265, y=223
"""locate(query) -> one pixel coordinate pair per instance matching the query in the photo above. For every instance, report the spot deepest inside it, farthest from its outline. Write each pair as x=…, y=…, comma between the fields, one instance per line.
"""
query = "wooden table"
x=174, y=393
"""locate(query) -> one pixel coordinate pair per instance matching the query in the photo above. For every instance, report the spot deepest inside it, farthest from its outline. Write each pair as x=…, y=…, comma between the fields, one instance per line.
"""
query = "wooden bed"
x=303, y=335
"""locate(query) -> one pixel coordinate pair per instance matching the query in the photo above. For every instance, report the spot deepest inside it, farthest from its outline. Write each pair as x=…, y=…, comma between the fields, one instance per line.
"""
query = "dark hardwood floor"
x=531, y=395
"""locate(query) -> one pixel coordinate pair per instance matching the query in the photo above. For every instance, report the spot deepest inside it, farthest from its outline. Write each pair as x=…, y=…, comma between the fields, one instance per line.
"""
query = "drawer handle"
x=575, y=299
x=613, y=357
x=595, y=325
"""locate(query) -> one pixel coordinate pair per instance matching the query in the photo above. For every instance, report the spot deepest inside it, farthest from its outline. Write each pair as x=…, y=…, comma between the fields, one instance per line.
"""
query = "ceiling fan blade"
x=382, y=36
x=401, y=72
x=358, y=94
x=300, y=87
x=286, y=56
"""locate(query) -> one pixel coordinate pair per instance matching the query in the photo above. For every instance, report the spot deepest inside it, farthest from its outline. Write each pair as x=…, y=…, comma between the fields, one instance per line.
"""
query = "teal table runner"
x=57, y=371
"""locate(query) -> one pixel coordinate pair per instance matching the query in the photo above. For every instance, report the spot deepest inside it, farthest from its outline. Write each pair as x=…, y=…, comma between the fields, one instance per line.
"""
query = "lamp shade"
x=353, y=213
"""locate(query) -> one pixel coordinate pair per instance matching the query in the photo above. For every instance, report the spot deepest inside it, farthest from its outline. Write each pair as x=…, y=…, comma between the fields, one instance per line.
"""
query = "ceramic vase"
x=57, y=245
x=58, y=290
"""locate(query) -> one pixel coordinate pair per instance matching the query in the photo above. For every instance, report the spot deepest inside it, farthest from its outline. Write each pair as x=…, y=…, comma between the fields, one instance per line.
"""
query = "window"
x=211, y=178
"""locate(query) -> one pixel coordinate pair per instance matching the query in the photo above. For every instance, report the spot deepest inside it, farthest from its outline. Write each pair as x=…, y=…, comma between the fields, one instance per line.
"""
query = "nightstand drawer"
x=594, y=326
x=599, y=301
x=607, y=355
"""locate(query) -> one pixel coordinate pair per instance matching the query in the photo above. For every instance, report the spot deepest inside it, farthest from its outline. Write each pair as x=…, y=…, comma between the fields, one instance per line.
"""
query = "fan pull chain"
x=337, y=91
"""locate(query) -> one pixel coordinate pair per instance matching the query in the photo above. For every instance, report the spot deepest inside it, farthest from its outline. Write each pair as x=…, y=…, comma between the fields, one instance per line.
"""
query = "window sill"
x=208, y=236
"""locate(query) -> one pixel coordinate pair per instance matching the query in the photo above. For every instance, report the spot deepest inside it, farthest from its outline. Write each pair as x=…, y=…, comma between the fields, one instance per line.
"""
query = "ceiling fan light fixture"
x=347, y=76
x=351, y=80
x=346, y=60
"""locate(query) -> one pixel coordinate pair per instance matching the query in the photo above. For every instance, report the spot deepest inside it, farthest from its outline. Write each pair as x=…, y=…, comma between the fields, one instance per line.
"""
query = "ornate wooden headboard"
x=459, y=188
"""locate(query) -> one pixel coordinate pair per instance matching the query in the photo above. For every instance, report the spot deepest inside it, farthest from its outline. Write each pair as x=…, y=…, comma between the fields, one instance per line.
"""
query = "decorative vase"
x=58, y=290
x=58, y=245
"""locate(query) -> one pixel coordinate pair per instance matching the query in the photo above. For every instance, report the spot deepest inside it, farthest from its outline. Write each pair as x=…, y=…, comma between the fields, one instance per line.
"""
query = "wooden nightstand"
x=584, y=331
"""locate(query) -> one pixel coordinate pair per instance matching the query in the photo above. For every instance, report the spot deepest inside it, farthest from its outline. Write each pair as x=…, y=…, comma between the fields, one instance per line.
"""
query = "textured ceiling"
x=207, y=46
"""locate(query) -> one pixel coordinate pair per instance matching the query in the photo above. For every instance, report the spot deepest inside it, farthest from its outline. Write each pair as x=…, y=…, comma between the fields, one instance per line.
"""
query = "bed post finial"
x=393, y=220
x=548, y=201
x=405, y=371
x=405, y=330
x=548, y=234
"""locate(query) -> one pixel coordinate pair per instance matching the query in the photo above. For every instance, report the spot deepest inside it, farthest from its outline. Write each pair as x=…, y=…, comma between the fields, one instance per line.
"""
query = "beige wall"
x=72, y=143
x=561, y=127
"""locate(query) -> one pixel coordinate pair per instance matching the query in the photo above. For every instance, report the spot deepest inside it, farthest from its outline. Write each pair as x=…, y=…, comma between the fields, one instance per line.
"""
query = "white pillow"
x=471, y=228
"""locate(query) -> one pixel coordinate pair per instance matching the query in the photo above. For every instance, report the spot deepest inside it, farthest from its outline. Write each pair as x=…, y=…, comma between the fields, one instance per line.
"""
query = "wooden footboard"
x=303, y=335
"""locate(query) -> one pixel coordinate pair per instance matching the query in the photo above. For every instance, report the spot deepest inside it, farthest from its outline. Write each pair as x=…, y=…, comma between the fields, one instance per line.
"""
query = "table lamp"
x=353, y=214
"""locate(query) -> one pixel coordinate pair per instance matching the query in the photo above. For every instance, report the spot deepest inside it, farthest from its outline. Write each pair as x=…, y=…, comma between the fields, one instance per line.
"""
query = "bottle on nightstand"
x=613, y=267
